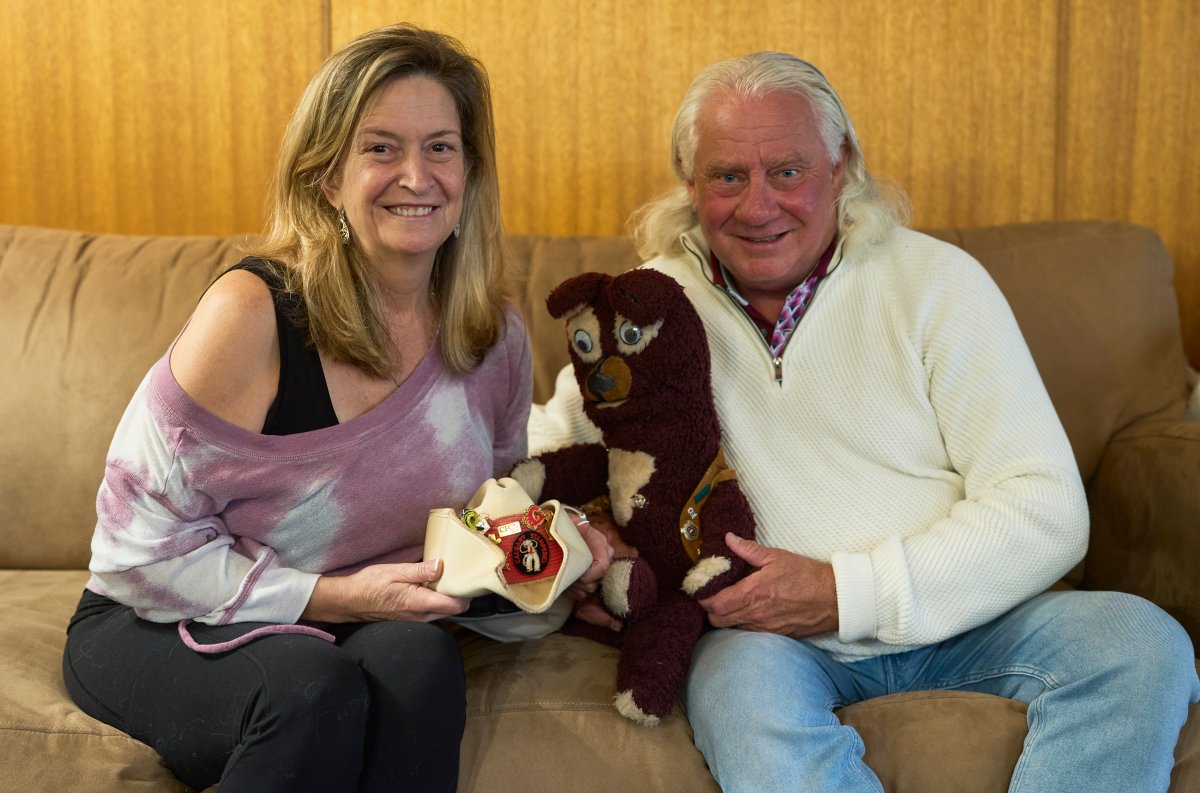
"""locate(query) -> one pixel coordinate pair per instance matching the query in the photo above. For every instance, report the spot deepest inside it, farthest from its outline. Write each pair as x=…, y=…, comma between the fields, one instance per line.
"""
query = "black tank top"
x=302, y=402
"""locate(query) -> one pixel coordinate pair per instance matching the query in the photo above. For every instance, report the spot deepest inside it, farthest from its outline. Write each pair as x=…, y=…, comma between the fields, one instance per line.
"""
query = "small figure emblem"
x=530, y=552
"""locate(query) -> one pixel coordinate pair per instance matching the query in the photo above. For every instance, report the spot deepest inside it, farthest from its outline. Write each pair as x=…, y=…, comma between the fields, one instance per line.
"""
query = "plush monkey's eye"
x=583, y=341
x=632, y=338
x=629, y=333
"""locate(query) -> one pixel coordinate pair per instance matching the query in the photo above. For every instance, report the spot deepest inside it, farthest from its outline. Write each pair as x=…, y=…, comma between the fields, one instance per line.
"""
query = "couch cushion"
x=540, y=717
x=554, y=692
x=557, y=692
x=1144, y=518
x=49, y=744
x=974, y=736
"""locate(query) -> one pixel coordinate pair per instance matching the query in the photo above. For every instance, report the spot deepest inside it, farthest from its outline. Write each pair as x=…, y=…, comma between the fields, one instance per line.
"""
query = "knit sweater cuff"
x=279, y=595
x=855, y=584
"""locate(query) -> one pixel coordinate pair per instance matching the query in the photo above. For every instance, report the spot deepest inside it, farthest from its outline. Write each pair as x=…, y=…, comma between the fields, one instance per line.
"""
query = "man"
x=914, y=490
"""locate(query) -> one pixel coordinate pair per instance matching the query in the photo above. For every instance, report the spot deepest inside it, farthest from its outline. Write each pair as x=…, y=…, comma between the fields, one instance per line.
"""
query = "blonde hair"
x=337, y=284
x=866, y=210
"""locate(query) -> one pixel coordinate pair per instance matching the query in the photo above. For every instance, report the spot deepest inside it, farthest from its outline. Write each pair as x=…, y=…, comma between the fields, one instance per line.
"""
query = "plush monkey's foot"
x=703, y=573
x=629, y=709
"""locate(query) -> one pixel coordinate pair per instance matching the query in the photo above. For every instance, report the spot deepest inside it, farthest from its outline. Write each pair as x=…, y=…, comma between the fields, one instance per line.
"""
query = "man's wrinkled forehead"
x=781, y=127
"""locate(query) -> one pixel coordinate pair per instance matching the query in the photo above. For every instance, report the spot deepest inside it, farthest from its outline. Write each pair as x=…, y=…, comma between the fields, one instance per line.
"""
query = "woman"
x=256, y=611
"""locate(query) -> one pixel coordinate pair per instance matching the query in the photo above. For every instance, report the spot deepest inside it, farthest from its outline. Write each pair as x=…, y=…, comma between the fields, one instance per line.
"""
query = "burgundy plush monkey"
x=641, y=358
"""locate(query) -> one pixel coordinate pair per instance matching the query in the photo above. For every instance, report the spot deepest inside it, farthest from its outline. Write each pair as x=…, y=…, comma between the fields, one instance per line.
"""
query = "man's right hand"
x=788, y=594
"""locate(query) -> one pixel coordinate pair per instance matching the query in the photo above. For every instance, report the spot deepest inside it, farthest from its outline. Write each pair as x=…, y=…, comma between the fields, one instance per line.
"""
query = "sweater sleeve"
x=561, y=421
x=161, y=546
x=1022, y=520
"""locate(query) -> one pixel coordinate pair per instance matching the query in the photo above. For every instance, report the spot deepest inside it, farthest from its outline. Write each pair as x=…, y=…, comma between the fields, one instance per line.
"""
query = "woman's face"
x=401, y=184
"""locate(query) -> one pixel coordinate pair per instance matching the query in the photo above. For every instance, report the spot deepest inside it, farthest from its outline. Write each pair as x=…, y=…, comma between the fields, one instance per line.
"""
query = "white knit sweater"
x=909, y=441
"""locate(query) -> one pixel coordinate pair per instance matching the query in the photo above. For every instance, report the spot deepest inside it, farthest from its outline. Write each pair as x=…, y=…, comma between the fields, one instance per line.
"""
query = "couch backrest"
x=83, y=316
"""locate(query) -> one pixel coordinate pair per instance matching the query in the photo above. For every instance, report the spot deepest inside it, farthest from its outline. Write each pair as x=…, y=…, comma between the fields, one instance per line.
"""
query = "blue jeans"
x=1108, y=678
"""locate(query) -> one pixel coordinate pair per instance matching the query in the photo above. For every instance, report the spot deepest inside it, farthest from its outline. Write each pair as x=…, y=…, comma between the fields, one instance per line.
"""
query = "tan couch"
x=83, y=316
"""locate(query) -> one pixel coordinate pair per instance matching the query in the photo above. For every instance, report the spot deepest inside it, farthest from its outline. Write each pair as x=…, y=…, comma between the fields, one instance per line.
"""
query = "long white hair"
x=867, y=212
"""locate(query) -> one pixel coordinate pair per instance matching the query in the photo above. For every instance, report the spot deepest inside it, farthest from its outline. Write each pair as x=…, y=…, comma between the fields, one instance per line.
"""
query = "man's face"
x=764, y=190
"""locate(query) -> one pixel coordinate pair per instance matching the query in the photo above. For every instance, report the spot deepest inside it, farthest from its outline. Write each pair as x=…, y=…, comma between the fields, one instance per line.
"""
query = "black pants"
x=383, y=709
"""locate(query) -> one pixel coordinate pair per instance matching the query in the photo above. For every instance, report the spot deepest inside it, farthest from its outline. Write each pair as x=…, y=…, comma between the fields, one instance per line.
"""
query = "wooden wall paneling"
x=967, y=126
x=953, y=100
x=1131, y=148
x=143, y=116
x=148, y=117
x=571, y=106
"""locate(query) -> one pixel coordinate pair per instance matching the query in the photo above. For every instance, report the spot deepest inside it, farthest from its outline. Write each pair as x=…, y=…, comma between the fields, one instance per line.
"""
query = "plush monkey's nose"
x=609, y=381
x=599, y=382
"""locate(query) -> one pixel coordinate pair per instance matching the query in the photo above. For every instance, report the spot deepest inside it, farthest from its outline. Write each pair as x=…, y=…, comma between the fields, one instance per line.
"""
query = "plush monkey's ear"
x=644, y=295
x=574, y=293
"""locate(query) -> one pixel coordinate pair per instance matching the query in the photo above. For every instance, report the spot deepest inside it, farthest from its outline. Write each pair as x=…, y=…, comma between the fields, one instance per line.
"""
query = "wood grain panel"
x=571, y=110
x=1131, y=144
x=144, y=116
x=157, y=117
x=954, y=100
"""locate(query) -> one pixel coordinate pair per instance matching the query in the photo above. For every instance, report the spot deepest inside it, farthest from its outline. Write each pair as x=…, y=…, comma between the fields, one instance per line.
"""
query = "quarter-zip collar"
x=774, y=333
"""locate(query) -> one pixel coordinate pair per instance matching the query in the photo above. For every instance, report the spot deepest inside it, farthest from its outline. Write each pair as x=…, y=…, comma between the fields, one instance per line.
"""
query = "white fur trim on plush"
x=629, y=709
x=531, y=475
x=615, y=587
x=704, y=571
x=628, y=472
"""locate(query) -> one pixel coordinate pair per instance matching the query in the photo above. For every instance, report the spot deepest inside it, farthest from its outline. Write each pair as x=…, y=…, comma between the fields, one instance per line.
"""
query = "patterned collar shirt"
x=776, y=333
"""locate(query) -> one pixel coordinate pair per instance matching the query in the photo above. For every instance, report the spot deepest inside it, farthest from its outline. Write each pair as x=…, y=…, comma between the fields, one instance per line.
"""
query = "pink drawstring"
x=246, y=638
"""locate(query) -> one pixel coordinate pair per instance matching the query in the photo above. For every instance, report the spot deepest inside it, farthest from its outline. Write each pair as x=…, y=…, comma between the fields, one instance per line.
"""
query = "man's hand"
x=788, y=594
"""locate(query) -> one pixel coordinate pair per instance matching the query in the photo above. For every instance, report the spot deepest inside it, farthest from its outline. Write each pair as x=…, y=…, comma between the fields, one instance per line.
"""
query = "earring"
x=343, y=227
x=457, y=230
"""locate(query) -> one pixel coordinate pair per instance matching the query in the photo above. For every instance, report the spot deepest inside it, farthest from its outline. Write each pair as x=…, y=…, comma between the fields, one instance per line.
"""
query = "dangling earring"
x=457, y=230
x=343, y=227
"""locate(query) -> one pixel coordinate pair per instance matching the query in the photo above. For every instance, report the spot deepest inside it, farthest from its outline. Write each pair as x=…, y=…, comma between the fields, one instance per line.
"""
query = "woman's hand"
x=383, y=592
x=602, y=555
x=604, y=541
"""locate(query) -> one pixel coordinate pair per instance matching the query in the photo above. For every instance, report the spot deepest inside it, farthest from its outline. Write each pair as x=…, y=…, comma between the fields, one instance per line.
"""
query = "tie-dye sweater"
x=199, y=519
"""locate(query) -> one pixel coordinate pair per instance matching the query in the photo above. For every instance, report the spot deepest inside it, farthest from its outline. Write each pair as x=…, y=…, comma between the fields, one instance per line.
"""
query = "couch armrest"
x=1145, y=505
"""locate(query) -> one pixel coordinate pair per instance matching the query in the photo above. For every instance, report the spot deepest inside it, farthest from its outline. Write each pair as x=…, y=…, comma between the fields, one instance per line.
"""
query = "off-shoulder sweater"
x=199, y=519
